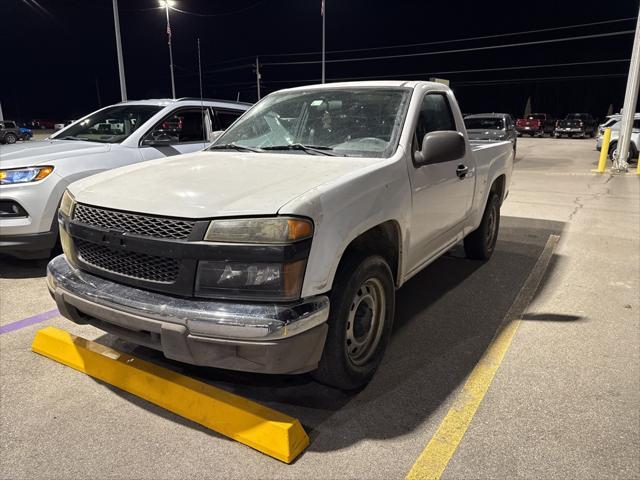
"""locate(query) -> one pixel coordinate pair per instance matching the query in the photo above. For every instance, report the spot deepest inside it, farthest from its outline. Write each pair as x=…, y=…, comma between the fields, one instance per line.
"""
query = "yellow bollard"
x=604, y=152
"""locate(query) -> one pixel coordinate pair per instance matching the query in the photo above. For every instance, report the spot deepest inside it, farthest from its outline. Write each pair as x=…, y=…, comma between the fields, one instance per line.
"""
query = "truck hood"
x=213, y=184
x=27, y=154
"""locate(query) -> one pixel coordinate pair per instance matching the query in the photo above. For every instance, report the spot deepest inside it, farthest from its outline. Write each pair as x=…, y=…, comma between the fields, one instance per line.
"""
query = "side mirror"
x=439, y=147
x=213, y=136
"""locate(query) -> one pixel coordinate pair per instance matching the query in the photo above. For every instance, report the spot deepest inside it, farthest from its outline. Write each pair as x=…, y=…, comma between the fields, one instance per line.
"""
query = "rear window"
x=484, y=123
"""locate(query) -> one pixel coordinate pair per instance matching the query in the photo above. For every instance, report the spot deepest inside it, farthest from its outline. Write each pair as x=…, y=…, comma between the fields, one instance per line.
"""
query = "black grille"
x=132, y=264
x=133, y=223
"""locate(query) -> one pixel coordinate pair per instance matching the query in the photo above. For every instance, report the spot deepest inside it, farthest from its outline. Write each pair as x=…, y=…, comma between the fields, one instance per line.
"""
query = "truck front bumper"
x=264, y=338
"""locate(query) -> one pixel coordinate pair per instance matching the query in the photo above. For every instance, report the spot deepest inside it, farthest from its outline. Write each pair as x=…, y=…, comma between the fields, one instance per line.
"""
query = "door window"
x=435, y=115
x=227, y=117
x=181, y=126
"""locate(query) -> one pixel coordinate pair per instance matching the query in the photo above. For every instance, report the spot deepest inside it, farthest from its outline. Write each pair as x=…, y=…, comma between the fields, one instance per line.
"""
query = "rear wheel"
x=480, y=244
x=10, y=138
x=360, y=321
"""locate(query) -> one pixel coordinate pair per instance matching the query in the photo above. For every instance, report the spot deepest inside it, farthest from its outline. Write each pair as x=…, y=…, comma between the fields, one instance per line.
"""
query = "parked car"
x=25, y=132
x=536, y=124
x=43, y=124
x=491, y=126
x=279, y=248
x=576, y=125
x=615, y=135
x=33, y=177
x=9, y=132
x=609, y=122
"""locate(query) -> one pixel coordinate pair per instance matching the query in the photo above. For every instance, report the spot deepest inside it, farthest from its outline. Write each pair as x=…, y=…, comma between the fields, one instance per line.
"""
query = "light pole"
x=629, y=109
x=167, y=4
x=116, y=21
x=323, y=12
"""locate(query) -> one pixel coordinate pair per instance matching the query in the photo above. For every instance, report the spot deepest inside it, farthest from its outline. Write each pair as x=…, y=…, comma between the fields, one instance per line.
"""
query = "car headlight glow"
x=24, y=175
x=67, y=204
x=276, y=230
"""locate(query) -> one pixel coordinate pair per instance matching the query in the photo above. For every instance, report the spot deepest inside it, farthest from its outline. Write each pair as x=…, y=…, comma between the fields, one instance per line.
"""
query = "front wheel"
x=360, y=321
x=613, y=147
x=10, y=138
x=480, y=244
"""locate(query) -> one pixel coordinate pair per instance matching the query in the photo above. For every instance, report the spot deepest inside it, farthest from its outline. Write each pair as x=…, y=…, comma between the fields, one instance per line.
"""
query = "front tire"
x=633, y=153
x=10, y=138
x=480, y=244
x=360, y=322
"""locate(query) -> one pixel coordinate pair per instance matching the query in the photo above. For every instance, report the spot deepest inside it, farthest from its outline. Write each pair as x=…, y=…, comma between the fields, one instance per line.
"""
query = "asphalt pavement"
x=564, y=403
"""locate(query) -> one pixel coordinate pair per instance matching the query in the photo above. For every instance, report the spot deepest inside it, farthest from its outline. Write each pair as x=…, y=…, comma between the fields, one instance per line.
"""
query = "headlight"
x=259, y=230
x=250, y=280
x=67, y=204
x=24, y=175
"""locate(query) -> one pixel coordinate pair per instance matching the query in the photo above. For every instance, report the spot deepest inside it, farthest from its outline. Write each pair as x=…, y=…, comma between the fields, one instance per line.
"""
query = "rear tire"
x=480, y=244
x=360, y=322
x=10, y=138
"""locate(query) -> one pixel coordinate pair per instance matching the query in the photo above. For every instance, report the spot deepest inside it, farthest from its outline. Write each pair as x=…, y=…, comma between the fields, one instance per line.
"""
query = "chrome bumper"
x=201, y=317
x=270, y=338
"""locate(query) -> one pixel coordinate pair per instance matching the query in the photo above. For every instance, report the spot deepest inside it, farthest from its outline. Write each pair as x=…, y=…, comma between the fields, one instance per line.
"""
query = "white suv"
x=34, y=176
x=615, y=134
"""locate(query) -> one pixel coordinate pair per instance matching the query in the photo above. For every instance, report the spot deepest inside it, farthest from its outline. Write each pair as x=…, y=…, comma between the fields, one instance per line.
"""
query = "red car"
x=44, y=124
x=536, y=124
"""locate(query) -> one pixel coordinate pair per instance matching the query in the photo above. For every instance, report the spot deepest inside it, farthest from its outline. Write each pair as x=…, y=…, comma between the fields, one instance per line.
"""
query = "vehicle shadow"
x=16, y=268
x=445, y=318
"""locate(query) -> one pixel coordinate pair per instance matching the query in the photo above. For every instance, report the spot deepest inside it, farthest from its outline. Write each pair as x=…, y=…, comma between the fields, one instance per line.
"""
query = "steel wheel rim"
x=365, y=322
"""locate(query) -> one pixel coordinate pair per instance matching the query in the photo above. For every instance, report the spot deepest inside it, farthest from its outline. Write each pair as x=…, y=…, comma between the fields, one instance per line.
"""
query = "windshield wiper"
x=322, y=150
x=234, y=146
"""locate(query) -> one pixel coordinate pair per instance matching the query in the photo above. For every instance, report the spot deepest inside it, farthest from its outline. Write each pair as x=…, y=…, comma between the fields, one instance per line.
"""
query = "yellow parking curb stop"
x=255, y=425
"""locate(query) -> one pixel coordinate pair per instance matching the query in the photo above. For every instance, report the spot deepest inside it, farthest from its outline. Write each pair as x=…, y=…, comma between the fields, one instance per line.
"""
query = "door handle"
x=462, y=171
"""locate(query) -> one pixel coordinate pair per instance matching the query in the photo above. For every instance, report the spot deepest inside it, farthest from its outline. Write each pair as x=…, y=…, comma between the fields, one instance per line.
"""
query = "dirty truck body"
x=279, y=249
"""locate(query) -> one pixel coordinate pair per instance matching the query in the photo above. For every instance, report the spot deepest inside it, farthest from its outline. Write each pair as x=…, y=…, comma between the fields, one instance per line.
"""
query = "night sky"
x=59, y=57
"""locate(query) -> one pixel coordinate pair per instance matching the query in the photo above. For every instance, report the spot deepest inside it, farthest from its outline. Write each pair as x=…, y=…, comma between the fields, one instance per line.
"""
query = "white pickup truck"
x=279, y=249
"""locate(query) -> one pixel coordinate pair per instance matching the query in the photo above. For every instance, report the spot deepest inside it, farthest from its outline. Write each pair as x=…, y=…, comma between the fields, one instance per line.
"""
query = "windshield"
x=484, y=123
x=111, y=125
x=362, y=122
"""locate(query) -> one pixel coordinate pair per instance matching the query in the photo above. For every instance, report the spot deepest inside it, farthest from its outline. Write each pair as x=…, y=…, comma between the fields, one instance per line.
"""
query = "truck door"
x=441, y=198
x=184, y=130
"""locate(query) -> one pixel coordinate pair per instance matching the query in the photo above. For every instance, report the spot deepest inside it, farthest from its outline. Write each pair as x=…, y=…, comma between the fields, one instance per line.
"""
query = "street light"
x=116, y=21
x=168, y=4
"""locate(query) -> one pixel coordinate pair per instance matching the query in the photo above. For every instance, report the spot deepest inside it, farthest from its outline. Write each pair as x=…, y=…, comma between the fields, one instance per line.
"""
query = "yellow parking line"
x=257, y=426
x=436, y=456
